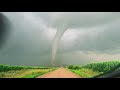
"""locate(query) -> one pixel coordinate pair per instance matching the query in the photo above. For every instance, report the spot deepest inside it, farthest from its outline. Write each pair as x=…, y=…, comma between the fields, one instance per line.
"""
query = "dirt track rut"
x=60, y=73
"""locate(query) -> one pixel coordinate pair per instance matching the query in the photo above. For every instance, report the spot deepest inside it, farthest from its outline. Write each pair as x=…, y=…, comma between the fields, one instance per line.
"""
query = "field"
x=93, y=69
x=84, y=71
x=8, y=71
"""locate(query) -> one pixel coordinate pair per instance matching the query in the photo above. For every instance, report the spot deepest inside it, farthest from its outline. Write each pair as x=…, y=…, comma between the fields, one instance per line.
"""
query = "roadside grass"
x=85, y=72
x=34, y=74
x=24, y=73
x=12, y=71
x=93, y=69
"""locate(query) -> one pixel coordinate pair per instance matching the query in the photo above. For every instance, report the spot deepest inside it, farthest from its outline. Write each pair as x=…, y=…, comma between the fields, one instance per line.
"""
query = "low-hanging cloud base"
x=89, y=37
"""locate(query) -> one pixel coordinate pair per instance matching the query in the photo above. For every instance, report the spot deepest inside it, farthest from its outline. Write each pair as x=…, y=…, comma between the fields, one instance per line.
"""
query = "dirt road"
x=60, y=73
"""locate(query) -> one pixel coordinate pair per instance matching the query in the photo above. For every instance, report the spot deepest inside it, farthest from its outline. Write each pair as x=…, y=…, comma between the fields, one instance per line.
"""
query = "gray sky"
x=88, y=34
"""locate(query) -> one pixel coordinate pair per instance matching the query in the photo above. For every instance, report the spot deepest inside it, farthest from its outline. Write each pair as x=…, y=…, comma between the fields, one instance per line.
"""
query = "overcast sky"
x=88, y=34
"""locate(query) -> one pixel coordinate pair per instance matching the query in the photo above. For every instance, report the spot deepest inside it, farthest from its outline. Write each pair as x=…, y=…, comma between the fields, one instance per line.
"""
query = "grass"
x=93, y=69
x=102, y=66
x=85, y=72
x=9, y=71
x=34, y=74
x=4, y=68
x=25, y=73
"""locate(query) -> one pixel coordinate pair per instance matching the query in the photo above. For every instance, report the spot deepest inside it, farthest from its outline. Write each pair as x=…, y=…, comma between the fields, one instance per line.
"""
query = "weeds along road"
x=60, y=73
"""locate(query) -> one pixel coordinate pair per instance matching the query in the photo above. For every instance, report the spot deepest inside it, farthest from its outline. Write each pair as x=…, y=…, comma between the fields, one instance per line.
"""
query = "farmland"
x=9, y=71
x=81, y=71
x=93, y=69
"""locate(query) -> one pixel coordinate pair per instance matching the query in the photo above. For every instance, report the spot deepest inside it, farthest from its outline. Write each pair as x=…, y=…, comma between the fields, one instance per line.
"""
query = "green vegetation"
x=8, y=71
x=103, y=66
x=93, y=69
x=36, y=74
x=4, y=68
x=25, y=73
x=74, y=67
x=85, y=72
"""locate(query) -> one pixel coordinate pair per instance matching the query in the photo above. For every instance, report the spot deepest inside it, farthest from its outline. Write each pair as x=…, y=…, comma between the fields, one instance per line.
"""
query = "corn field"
x=4, y=68
x=101, y=67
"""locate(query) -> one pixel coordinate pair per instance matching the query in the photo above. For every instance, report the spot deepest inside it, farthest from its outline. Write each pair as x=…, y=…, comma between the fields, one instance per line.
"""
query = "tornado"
x=64, y=21
x=60, y=32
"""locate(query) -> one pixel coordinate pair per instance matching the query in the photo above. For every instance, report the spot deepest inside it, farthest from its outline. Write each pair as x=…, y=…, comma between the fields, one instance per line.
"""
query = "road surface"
x=60, y=73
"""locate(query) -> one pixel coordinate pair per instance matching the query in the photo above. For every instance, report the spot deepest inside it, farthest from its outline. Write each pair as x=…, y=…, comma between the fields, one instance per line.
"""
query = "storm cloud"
x=31, y=36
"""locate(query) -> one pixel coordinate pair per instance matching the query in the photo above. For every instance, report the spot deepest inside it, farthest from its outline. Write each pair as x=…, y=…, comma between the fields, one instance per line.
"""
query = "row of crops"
x=101, y=67
x=4, y=68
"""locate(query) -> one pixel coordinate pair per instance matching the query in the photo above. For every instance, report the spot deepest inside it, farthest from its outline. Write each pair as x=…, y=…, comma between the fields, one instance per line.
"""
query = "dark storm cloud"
x=4, y=32
x=26, y=43
x=29, y=44
x=97, y=39
x=84, y=19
